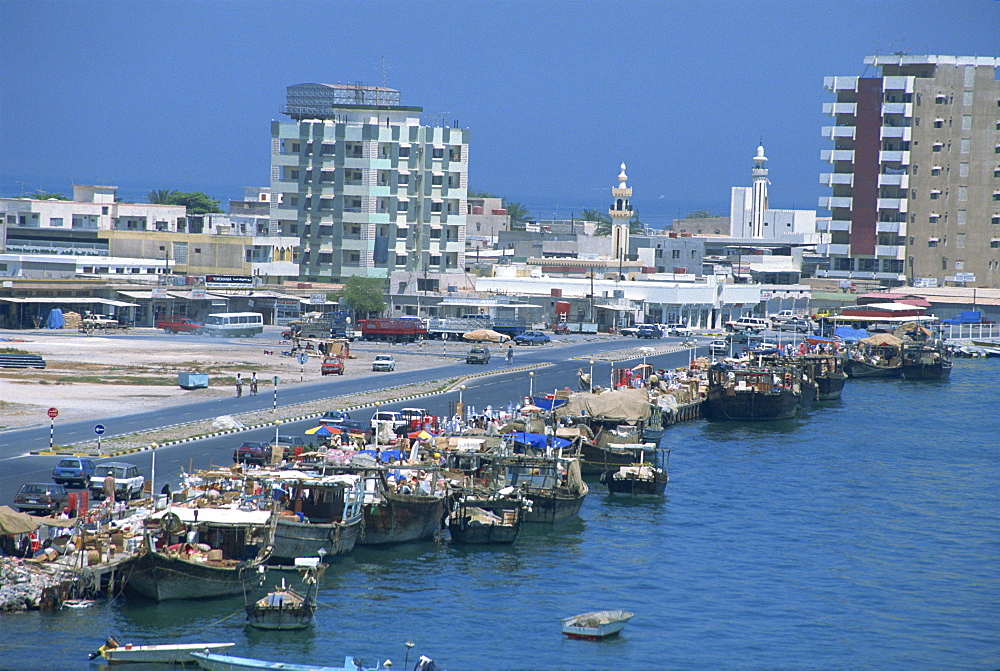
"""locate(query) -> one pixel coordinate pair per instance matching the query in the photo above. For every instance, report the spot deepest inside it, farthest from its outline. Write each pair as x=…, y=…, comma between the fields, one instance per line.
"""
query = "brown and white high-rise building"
x=916, y=172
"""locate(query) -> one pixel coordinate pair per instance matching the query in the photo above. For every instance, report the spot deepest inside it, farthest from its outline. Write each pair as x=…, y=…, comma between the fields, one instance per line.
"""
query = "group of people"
x=252, y=383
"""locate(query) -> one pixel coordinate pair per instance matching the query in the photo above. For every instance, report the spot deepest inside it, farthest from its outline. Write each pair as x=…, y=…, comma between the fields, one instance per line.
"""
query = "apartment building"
x=366, y=187
x=915, y=181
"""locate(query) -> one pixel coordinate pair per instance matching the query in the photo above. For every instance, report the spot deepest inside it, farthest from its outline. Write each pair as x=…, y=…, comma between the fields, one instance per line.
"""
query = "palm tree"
x=518, y=214
x=160, y=196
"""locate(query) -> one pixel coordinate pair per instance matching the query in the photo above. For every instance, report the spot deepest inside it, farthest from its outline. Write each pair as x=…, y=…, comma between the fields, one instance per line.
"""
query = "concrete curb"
x=285, y=420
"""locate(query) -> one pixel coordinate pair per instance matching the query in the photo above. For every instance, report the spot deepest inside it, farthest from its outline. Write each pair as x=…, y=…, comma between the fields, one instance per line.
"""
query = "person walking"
x=510, y=355
x=253, y=383
x=239, y=385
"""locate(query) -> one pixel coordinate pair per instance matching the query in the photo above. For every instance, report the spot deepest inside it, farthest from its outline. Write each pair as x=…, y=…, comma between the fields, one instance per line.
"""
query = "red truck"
x=179, y=325
x=405, y=329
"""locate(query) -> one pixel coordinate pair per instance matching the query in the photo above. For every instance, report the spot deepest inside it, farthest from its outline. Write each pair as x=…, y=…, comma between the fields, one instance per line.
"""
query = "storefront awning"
x=69, y=301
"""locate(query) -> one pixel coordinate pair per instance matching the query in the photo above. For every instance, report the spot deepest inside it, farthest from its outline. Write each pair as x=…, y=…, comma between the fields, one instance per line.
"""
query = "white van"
x=755, y=324
x=232, y=324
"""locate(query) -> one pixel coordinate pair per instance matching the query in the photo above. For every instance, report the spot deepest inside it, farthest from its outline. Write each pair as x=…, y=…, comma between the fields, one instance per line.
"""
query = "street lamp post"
x=461, y=405
x=375, y=424
x=531, y=386
x=590, y=383
x=406, y=660
x=152, y=474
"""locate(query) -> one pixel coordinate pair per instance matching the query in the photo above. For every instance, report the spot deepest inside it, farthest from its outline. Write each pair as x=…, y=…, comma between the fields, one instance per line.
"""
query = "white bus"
x=234, y=324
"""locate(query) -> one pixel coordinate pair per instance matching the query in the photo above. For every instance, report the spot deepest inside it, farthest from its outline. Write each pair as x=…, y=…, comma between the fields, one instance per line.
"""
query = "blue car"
x=73, y=471
x=532, y=338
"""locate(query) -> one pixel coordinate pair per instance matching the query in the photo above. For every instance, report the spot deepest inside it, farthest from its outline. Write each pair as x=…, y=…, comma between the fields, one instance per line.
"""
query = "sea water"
x=865, y=534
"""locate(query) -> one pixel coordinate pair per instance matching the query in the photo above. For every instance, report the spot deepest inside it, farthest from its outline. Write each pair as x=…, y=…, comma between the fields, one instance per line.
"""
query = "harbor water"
x=865, y=534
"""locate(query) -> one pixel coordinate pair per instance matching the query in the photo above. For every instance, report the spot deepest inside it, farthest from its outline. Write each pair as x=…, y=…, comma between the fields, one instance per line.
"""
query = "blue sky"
x=180, y=95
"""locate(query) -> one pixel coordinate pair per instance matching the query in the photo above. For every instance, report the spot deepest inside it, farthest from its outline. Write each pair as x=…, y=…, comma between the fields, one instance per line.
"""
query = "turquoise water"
x=865, y=535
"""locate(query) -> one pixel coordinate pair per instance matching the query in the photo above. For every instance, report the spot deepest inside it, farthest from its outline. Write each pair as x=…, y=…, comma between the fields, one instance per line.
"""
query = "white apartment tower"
x=364, y=186
x=916, y=172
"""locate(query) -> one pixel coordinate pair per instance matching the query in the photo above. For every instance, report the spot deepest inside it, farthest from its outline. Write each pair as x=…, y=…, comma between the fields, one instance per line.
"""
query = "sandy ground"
x=141, y=373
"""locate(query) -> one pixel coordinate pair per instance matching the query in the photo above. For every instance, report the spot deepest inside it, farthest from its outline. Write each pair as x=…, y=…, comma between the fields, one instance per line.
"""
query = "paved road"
x=17, y=467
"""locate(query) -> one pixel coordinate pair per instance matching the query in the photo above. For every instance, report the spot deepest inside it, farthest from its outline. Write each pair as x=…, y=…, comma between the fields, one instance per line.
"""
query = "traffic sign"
x=303, y=358
x=53, y=413
x=99, y=429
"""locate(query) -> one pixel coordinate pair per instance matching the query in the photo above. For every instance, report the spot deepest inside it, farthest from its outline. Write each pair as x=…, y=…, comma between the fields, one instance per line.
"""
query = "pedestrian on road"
x=510, y=355
x=253, y=384
x=239, y=385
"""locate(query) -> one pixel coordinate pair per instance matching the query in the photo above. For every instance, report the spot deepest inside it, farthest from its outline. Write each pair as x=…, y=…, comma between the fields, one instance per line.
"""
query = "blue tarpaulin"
x=848, y=334
x=548, y=403
x=387, y=455
x=539, y=441
x=55, y=319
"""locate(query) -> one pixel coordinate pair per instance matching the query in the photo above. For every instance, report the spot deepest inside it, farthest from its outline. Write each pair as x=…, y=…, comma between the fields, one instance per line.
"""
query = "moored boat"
x=322, y=515
x=754, y=393
x=285, y=608
x=925, y=360
x=595, y=625
x=486, y=521
x=214, y=662
x=170, y=653
x=874, y=356
x=637, y=479
x=399, y=517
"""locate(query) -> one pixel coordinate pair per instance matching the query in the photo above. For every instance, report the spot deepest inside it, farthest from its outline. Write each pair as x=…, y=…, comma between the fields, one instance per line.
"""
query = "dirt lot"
x=97, y=376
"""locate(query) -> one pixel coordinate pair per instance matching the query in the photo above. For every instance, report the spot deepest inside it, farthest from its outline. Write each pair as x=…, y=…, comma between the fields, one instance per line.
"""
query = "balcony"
x=902, y=181
x=840, y=83
x=890, y=227
x=839, y=225
x=835, y=202
x=894, y=157
x=896, y=133
x=904, y=84
x=830, y=132
x=833, y=250
x=890, y=251
x=906, y=109
x=895, y=204
x=831, y=178
x=834, y=155
x=840, y=108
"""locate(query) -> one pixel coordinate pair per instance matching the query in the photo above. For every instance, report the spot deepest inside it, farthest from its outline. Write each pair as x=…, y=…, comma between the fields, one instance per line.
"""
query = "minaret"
x=758, y=197
x=620, y=213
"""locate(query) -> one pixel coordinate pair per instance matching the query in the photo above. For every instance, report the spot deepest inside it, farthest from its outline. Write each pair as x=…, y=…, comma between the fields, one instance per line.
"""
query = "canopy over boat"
x=882, y=339
x=627, y=405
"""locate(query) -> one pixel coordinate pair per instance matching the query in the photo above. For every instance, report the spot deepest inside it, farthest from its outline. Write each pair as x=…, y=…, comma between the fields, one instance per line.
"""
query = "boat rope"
x=239, y=612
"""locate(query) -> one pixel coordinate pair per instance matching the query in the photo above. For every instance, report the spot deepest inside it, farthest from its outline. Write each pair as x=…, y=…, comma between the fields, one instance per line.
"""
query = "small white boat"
x=213, y=662
x=598, y=624
x=171, y=653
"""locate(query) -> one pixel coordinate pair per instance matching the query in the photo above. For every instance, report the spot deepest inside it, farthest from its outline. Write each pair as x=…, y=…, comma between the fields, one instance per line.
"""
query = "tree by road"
x=363, y=295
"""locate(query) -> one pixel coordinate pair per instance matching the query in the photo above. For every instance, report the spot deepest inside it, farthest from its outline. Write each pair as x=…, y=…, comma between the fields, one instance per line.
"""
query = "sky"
x=556, y=94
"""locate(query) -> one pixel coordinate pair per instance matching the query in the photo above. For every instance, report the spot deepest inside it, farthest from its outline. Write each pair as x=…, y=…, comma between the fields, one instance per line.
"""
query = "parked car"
x=676, y=329
x=41, y=497
x=796, y=324
x=532, y=338
x=649, y=331
x=253, y=452
x=762, y=347
x=630, y=331
x=383, y=362
x=332, y=417
x=478, y=355
x=718, y=347
x=393, y=419
x=73, y=471
x=128, y=480
x=754, y=324
x=332, y=365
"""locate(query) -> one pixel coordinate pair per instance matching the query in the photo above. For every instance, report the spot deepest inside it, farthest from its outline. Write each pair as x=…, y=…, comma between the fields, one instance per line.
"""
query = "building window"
x=935, y=194
x=937, y=146
x=960, y=241
x=967, y=99
x=401, y=260
x=55, y=221
x=435, y=234
x=995, y=244
x=438, y=152
x=436, y=207
x=932, y=242
x=435, y=261
x=996, y=195
x=437, y=180
x=963, y=169
x=996, y=219
x=965, y=145
x=403, y=178
x=402, y=205
x=944, y=263
x=197, y=250
x=104, y=209
x=962, y=214
x=963, y=193
x=966, y=122
x=675, y=253
x=959, y=264
x=401, y=233
x=935, y=171
x=939, y=123
x=404, y=152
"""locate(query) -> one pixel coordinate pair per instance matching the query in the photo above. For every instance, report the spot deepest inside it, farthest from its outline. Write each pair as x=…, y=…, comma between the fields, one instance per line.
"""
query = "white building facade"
x=366, y=187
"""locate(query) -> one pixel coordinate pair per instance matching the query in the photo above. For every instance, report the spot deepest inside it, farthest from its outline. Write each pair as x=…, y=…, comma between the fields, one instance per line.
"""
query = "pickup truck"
x=104, y=322
x=786, y=315
x=179, y=325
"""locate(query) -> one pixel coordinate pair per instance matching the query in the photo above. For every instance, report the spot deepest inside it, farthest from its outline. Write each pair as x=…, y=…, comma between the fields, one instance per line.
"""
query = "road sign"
x=303, y=358
x=99, y=429
x=53, y=413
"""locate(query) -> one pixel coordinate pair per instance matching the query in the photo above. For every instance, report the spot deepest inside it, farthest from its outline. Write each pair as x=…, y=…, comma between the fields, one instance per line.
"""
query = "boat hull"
x=299, y=617
x=727, y=404
x=597, y=459
x=859, y=369
x=293, y=538
x=600, y=624
x=162, y=577
x=653, y=485
x=402, y=518
x=214, y=662
x=179, y=653
x=934, y=371
x=553, y=506
x=830, y=387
